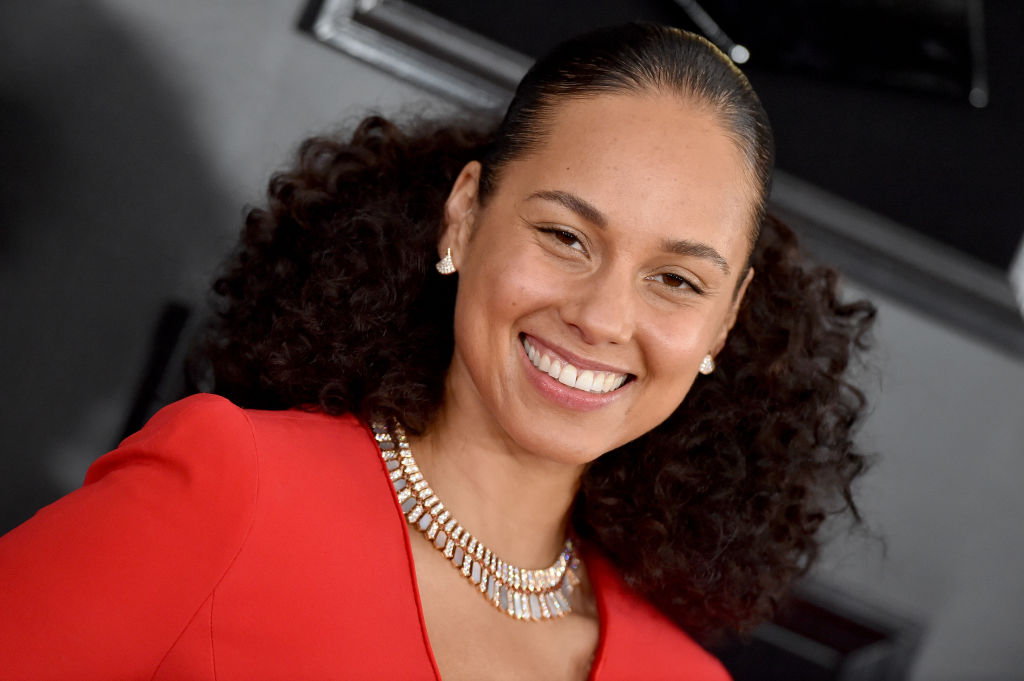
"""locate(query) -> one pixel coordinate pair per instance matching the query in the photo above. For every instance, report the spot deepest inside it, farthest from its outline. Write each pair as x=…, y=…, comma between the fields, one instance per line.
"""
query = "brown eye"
x=674, y=281
x=564, y=237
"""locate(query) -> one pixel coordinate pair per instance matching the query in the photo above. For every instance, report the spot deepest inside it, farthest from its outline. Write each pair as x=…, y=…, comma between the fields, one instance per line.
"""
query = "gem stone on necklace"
x=521, y=593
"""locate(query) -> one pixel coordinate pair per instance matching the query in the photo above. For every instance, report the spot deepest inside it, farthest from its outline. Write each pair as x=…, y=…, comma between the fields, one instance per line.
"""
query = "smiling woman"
x=620, y=377
x=619, y=245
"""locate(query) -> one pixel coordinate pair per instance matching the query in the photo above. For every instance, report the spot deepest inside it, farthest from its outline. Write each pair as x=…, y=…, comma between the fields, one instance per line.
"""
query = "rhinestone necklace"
x=532, y=595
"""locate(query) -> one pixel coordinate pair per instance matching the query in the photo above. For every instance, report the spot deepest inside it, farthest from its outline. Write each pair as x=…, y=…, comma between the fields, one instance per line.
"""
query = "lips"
x=579, y=378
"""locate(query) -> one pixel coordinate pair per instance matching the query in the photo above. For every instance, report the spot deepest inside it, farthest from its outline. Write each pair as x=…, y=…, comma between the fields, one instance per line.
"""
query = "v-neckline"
x=588, y=557
x=596, y=576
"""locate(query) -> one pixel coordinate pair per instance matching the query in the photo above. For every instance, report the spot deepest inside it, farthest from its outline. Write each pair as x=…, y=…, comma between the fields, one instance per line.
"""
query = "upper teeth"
x=567, y=374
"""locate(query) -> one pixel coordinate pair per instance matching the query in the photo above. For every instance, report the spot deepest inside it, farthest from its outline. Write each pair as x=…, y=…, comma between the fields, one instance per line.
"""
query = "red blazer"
x=220, y=543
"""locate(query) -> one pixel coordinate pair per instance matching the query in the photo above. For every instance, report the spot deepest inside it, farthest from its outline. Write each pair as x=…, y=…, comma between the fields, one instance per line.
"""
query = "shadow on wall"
x=107, y=209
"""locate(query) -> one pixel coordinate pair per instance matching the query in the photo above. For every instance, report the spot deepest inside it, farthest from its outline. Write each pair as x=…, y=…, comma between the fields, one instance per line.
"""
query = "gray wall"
x=947, y=425
x=133, y=133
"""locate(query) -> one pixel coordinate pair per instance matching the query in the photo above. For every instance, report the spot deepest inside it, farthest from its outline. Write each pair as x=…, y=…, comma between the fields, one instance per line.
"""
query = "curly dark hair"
x=330, y=302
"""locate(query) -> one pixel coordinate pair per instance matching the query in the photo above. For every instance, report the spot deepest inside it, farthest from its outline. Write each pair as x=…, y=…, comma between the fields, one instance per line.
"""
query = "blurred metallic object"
x=424, y=49
x=1017, y=276
x=713, y=32
x=978, y=96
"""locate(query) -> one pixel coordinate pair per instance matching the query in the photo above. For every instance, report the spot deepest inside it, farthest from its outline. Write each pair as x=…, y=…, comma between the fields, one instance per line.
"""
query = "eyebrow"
x=696, y=249
x=585, y=210
x=589, y=212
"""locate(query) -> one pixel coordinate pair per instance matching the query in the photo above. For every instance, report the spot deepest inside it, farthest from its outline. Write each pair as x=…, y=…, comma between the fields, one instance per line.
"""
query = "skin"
x=572, y=250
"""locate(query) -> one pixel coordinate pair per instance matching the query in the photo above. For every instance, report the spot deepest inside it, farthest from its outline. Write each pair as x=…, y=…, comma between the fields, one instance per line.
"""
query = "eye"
x=675, y=281
x=564, y=237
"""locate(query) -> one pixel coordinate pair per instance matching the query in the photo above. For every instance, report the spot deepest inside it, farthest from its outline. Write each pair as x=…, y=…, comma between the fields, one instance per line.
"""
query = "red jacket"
x=220, y=543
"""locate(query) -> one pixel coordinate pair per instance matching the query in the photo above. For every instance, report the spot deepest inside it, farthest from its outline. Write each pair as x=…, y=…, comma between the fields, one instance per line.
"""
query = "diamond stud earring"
x=445, y=265
x=707, y=365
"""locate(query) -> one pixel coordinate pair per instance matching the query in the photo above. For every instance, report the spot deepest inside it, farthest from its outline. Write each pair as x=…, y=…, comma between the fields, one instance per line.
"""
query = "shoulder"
x=189, y=428
x=131, y=555
x=638, y=641
x=308, y=433
x=215, y=461
x=248, y=458
x=212, y=434
x=206, y=490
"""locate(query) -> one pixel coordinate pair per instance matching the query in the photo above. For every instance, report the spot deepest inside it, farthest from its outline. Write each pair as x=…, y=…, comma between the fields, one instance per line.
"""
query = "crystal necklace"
x=532, y=595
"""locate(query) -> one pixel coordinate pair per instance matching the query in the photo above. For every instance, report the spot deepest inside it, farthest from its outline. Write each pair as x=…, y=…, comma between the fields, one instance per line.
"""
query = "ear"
x=460, y=212
x=730, y=318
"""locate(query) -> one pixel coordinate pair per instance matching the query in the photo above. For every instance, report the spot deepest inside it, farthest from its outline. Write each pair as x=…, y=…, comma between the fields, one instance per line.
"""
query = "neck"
x=515, y=502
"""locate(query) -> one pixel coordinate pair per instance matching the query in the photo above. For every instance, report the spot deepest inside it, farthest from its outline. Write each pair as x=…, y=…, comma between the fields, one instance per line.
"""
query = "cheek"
x=494, y=293
x=673, y=343
x=673, y=350
x=673, y=356
x=517, y=285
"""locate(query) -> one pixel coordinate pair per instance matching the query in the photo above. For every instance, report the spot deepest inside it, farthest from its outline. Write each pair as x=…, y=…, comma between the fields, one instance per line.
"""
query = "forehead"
x=647, y=161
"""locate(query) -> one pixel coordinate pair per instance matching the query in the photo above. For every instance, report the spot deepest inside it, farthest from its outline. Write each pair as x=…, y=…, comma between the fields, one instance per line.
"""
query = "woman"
x=620, y=373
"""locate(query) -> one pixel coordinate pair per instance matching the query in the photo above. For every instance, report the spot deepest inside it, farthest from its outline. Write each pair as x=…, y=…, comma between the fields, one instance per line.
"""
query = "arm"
x=101, y=583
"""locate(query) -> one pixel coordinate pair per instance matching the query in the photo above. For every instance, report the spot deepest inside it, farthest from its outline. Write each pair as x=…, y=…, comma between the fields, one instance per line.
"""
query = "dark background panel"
x=868, y=99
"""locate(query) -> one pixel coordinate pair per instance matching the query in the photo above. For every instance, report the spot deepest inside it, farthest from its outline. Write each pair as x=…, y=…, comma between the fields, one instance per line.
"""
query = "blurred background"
x=134, y=133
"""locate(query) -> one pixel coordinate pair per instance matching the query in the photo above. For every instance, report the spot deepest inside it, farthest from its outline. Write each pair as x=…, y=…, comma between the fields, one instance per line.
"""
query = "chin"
x=559, y=443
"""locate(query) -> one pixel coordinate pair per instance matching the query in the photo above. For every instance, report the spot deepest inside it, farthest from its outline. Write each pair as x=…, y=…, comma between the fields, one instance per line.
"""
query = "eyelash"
x=564, y=235
x=684, y=283
x=558, y=233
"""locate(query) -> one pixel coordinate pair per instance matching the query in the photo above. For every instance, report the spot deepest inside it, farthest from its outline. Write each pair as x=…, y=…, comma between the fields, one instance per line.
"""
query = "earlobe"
x=459, y=210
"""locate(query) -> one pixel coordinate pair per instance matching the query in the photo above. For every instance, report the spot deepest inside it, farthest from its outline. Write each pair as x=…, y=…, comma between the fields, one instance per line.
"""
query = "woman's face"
x=597, y=274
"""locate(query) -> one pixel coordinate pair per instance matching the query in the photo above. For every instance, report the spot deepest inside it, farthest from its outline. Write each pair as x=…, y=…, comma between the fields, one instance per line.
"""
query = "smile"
x=586, y=380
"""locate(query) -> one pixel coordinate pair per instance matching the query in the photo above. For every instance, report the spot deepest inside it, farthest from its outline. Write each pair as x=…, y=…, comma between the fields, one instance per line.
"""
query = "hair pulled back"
x=330, y=301
x=637, y=59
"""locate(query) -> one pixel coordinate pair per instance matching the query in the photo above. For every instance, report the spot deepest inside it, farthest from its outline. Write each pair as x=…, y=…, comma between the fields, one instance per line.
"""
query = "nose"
x=602, y=307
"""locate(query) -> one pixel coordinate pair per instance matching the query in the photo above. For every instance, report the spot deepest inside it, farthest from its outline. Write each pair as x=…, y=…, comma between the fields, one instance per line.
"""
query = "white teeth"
x=586, y=380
